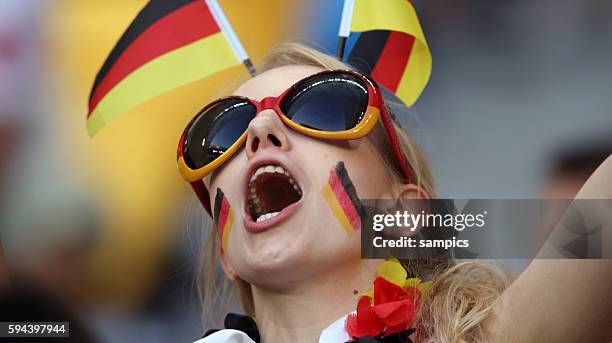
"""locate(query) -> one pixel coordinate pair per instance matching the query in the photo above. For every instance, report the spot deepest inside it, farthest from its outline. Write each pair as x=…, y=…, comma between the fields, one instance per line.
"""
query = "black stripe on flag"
x=367, y=50
x=149, y=15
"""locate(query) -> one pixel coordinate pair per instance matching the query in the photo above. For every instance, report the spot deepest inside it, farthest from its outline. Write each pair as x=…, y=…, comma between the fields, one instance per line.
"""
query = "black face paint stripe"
x=350, y=189
x=217, y=207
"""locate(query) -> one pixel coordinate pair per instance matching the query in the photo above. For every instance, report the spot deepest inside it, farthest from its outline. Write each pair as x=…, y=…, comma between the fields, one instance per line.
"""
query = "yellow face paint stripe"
x=334, y=205
x=227, y=229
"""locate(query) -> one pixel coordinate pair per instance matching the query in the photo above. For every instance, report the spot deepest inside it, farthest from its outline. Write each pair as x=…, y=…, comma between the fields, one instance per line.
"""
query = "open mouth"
x=270, y=190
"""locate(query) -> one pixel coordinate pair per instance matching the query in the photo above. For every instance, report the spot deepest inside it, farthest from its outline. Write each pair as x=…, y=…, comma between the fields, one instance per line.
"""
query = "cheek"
x=229, y=179
x=368, y=172
x=225, y=203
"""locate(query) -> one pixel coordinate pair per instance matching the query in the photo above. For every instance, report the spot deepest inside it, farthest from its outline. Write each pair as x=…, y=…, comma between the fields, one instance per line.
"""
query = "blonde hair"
x=463, y=294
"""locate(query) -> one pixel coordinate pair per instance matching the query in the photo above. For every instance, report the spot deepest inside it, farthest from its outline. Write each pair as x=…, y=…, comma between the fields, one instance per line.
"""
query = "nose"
x=266, y=131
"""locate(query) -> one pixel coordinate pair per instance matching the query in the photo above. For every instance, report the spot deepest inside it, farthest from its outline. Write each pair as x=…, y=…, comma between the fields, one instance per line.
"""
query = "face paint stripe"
x=218, y=198
x=224, y=215
x=344, y=201
x=330, y=197
x=223, y=218
x=349, y=188
x=227, y=229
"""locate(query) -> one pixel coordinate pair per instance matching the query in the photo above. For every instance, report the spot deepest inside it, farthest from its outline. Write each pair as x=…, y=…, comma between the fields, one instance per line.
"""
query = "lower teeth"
x=266, y=216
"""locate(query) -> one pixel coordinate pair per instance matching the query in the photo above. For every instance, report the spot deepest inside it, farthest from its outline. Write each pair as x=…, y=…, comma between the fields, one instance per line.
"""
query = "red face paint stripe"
x=181, y=27
x=223, y=217
x=344, y=200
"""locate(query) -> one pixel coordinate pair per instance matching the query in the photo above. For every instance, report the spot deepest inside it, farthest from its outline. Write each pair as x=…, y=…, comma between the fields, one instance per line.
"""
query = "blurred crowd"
x=103, y=231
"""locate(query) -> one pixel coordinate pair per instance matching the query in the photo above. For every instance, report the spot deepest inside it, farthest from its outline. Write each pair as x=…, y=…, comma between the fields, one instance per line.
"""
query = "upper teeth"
x=269, y=169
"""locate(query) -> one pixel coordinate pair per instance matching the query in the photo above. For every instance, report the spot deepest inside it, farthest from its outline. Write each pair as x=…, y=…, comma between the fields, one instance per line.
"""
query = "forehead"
x=275, y=81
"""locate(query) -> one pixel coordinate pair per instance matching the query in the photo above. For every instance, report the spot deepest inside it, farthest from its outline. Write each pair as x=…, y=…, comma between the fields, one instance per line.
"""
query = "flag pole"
x=341, y=45
x=229, y=33
x=345, y=26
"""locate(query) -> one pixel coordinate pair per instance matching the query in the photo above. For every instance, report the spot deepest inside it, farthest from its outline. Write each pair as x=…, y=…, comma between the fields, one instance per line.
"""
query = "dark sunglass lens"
x=214, y=131
x=327, y=102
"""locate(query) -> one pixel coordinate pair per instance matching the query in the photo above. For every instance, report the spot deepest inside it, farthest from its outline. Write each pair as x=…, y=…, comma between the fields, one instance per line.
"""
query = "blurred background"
x=105, y=229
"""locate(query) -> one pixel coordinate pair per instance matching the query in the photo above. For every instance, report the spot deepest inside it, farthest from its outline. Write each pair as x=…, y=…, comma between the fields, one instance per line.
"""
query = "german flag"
x=393, y=50
x=170, y=43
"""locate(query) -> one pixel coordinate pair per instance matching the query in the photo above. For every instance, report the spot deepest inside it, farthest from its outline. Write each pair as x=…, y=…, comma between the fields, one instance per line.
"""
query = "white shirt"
x=334, y=333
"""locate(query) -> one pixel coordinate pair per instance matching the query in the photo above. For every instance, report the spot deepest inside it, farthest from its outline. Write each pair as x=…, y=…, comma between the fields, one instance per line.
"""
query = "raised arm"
x=563, y=300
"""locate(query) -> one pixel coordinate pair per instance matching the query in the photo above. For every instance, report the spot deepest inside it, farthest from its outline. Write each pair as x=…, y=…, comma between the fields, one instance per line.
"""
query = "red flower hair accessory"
x=390, y=306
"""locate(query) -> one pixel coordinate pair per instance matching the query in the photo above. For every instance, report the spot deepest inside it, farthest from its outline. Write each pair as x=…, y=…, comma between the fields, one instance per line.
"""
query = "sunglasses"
x=334, y=105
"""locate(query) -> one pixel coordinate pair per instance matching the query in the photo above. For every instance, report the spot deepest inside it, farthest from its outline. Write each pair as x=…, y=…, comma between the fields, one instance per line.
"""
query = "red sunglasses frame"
x=375, y=100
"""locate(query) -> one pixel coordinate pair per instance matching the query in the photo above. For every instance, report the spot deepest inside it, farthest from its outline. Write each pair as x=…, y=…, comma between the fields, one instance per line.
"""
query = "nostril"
x=255, y=144
x=274, y=140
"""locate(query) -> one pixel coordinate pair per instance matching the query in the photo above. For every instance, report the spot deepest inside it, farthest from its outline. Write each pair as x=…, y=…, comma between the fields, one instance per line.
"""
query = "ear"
x=411, y=191
x=229, y=271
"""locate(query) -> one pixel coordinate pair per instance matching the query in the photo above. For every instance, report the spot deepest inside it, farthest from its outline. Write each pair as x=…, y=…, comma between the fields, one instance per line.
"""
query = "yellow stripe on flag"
x=416, y=75
x=176, y=68
x=398, y=15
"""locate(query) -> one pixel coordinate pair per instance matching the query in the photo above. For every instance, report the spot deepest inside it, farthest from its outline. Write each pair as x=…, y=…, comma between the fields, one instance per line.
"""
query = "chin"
x=273, y=270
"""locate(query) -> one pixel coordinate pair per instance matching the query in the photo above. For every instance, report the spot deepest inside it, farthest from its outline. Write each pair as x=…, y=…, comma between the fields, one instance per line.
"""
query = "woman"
x=292, y=254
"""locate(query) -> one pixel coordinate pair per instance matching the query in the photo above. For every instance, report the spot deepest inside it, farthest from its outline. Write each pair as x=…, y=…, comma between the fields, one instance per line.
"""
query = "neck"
x=300, y=314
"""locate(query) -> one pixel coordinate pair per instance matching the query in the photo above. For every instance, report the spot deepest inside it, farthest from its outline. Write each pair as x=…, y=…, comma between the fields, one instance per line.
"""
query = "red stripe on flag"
x=181, y=27
x=223, y=214
x=344, y=200
x=393, y=60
